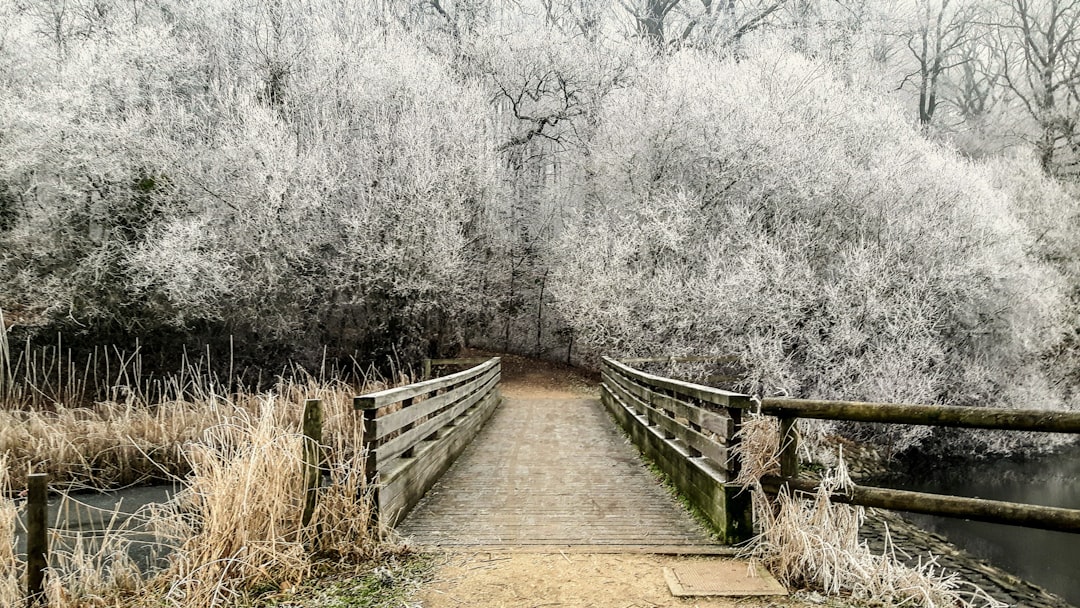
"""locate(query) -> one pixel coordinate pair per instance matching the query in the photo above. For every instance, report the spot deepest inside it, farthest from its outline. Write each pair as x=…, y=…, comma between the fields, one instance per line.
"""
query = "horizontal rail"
x=690, y=359
x=409, y=446
x=1051, y=421
x=396, y=395
x=470, y=361
x=395, y=421
x=687, y=390
x=979, y=509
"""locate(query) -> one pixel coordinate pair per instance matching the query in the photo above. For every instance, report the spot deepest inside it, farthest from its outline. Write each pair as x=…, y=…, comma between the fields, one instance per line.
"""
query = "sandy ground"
x=531, y=378
x=572, y=580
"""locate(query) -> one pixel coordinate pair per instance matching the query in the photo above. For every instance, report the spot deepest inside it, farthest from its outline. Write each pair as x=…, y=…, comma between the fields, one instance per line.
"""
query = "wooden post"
x=427, y=370
x=789, y=446
x=313, y=421
x=371, y=461
x=37, y=539
x=734, y=465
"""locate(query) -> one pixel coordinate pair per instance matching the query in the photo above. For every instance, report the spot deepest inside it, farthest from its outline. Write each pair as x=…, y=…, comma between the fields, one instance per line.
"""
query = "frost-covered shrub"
x=763, y=208
x=276, y=172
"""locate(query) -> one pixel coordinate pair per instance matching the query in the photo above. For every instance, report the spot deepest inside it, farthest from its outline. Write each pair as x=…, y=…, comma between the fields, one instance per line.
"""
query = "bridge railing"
x=688, y=431
x=413, y=433
x=1032, y=516
x=650, y=408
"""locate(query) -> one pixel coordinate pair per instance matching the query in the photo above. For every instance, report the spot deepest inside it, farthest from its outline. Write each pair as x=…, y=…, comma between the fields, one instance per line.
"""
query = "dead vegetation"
x=808, y=541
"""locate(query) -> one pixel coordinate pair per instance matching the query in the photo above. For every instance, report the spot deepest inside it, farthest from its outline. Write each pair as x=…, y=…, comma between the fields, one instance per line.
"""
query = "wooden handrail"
x=657, y=389
x=979, y=509
x=700, y=392
x=1050, y=421
x=401, y=393
x=407, y=448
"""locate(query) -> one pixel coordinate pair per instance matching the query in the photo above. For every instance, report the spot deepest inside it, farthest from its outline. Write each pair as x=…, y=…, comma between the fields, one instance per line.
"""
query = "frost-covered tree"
x=747, y=208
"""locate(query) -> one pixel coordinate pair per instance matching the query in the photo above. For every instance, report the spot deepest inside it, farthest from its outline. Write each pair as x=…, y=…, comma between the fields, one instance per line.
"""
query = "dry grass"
x=236, y=528
x=812, y=542
x=10, y=564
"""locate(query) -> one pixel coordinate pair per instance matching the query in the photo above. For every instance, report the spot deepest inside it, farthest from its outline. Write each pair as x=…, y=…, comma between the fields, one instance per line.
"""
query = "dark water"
x=1048, y=559
x=85, y=515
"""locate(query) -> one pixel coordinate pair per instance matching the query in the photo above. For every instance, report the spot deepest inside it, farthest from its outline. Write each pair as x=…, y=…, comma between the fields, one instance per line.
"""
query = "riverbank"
x=914, y=545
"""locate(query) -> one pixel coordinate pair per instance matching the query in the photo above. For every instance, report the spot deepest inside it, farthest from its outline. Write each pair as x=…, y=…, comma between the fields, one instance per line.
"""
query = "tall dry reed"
x=811, y=541
x=235, y=529
x=10, y=564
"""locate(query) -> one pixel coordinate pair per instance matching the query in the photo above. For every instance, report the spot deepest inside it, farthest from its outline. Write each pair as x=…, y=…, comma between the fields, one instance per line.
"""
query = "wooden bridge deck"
x=557, y=473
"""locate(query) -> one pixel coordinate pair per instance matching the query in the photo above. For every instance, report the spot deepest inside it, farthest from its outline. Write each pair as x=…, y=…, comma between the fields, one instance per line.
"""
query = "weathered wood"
x=694, y=440
x=705, y=394
x=395, y=421
x=687, y=359
x=471, y=361
x=406, y=484
x=698, y=479
x=714, y=422
x=406, y=440
x=427, y=370
x=395, y=395
x=37, y=538
x=993, y=511
x=1050, y=421
x=312, y=428
x=789, y=446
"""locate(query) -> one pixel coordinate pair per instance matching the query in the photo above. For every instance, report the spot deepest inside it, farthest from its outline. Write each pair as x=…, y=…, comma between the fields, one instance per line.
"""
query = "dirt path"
x=574, y=580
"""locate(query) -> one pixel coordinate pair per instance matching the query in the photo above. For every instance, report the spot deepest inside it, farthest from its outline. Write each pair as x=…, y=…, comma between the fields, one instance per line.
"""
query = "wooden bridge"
x=551, y=470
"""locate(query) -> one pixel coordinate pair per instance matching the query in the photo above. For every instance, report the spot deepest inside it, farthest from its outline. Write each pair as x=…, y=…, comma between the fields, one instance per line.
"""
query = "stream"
x=86, y=514
x=1048, y=559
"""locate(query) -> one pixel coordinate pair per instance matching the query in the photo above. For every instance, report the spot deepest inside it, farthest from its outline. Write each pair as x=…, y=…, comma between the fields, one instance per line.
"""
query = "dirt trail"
x=572, y=580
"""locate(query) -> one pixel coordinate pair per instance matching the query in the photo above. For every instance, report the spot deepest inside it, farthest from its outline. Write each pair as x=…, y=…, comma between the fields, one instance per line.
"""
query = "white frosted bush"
x=763, y=208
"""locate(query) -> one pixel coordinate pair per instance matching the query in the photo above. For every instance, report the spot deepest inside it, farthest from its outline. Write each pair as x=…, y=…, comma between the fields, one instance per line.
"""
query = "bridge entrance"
x=550, y=469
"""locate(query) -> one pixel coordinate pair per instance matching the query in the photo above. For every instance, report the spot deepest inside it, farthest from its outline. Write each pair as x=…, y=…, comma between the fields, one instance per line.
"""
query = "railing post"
x=789, y=446
x=313, y=420
x=371, y=458
x=427, y=370
x=738, y=508
x=37, y=539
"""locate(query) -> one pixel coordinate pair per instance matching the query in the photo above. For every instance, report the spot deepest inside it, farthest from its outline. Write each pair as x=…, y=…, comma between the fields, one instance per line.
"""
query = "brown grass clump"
x=10, y=564
x=810, y=541
x=236, y=528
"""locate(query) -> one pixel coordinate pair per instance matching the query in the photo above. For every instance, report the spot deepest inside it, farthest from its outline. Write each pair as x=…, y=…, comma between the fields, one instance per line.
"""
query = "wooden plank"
x=1050, y=421
x=706, y=394
x=394, y=421
x=408, y=439
x=713, y=421
x=407, y=484
x=686, y=359
x=471, y=361
x=697, y=441
x=979, y=509
x=312, y=427
x=727, y=507
x=401, y=393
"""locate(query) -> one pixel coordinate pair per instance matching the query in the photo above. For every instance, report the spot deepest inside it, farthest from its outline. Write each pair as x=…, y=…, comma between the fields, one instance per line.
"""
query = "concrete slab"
x=727, y=578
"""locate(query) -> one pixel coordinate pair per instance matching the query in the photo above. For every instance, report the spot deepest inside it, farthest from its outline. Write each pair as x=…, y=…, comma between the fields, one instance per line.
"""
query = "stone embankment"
x=914, y=545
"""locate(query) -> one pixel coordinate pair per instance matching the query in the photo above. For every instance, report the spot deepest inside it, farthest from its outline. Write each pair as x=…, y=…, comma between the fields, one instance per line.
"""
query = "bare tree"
x=979, y=75
x=1040, y=44
x=720, y=23
x=940, y=30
